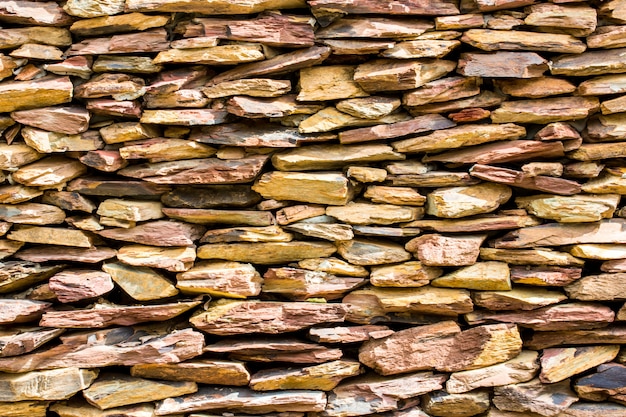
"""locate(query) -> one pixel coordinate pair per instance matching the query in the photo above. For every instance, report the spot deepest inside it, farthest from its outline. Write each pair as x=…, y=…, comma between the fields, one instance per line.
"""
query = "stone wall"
x=337, y=208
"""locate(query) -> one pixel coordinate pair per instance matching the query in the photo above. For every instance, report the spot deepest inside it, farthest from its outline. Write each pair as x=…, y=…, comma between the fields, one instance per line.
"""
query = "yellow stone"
x=489, y=276
x=328, y=83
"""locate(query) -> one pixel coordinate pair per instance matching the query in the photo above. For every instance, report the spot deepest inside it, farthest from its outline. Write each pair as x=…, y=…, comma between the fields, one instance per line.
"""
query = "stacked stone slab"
x=330, y=208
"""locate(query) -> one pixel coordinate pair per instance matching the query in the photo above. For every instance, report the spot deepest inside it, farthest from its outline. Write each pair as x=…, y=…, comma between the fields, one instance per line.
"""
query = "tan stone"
x=362, y=213
x=375, y=394
x=318, y=377
x=440, y=250
x=558, y=364
x=129, y=64
x=171, y=259
x=220, y=279
x=606, y=84
x=186, y=117
x=568, y=316
x=607, y=183
x=602, y=287
x=84, y=409
x=31, y=213
x=361, y=252
x=302, y=284
x=403, y=196
x=51, y=236
x=407, y=274
x=49, y=172
x=267, y=252
x=374, y=27
x=204, y=371
x=521, y=368
x=534, y=396
x=518, y=298
x=349, y=334
x=599, y=251
x=423, y=48
x=551, y=169
x=442, y=403
x=540, y=257
x=230, y=317
x=545, y=110
x=47, y=91
x=328, y=83
x=319, y=157
x=132, y=210
x=392, y=75
x=443, y=90
x=142, y=284
x=435, y=346
x=15, y=155
x=244, y=400
x=54, y=384
x=215, y=216
x=517, y=40
x=502, y=64
x=115, y=390
x=252, y=234
x=15, y=37
x=450, y=302
x=127, y=131
x=460, y=136
x=490, y=276
x=458, y=202
x=575, y=19
x=322, y=188
x=254, y=87
x=570, y=209
x=536, y=87
x=372, y=107
x=333, y=266
x=590, y=63
x=216, y=55
x=330, y=118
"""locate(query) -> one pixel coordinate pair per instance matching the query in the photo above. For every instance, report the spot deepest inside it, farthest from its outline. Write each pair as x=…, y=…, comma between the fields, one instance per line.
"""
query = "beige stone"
x=444, y=404
x=132, y=210
x=518, y=298
x=394, y=75
x=47, y=91
x=599, y=251
x=49, y=172
x=204, y=371
x=51, y=236
x=329, y=119
x=530, y=257
x=140, y=283
x=403, y=196
x=361, y=252
x=363, y=214
x=490, y=276
x=333, y=266
x=545, y=110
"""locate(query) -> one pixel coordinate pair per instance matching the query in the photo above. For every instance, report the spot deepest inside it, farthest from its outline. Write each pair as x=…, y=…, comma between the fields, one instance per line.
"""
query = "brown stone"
x=545, y=110
x=18, y=275
x=575, y=19
x=545, y=276
x=141, y=284
x=374, y=27
x=516, y=40
x=20, y=340
x=21, y=311
x=323, y=188
x=408, y=274
x=589, y=63
x=537, y=257
x=54, y=384
x=612, y=334
x=333, y=266
x=266, y=252
x=481, y=223
x=603, y=384
x=578, y=208
x=116, y=188
x=228, y=317
x=174, y=259
x=519, y=298
x=80, y=408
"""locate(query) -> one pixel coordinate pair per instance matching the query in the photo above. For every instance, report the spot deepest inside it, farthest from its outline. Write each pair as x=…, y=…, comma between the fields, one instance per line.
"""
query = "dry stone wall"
x=330, y=208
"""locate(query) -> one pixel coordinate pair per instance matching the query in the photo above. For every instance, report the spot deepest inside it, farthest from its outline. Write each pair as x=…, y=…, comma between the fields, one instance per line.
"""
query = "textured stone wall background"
x=336, y=208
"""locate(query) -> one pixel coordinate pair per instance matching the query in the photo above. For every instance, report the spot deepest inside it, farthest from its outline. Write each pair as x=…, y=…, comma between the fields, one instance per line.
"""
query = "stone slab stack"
x=330, y=208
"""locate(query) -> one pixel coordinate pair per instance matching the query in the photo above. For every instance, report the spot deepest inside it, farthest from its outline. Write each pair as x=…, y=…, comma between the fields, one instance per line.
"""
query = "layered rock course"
x=330, y=208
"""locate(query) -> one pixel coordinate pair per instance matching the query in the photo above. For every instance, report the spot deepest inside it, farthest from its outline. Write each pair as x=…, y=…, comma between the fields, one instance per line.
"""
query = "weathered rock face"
x=404, y=208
